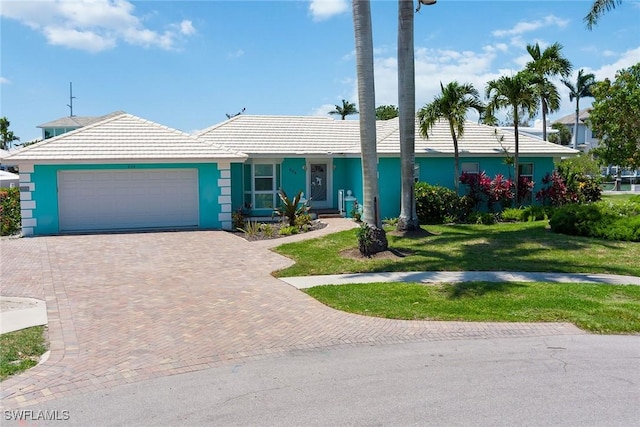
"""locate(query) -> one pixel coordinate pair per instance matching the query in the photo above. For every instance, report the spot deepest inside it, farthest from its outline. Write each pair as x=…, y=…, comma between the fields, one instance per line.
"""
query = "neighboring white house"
x=534, y=131
x=585, y=139
x=67, y=124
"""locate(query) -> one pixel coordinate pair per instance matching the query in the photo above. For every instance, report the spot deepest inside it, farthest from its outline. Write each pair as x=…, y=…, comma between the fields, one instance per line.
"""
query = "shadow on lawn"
x=504, y=249
x=478, y=289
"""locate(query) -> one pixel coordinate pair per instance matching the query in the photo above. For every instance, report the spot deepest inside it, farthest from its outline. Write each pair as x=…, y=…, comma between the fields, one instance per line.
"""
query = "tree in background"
x=6, y=135
x=452, y=104
x=347, y=109
x=544, y=65
x=582, y=89
x=386, y=112
x=598, y=8
x=371, y=238
x=517, y=94
x=615, y=119
x=563, y=137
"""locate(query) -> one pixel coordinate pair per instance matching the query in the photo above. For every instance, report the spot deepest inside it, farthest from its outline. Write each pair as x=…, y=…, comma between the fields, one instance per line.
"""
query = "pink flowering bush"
x=493, y=192
x=556, y=192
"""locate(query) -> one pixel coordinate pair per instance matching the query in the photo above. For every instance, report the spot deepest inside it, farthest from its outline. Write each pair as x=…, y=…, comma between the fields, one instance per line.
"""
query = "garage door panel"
x=128, y=199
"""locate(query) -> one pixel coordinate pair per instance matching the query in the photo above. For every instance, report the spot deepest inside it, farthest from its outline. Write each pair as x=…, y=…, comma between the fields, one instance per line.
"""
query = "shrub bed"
x=602, y=220
x=437, y=205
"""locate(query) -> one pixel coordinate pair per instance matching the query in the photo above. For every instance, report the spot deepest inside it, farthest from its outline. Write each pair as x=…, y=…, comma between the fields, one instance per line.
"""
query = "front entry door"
x=319, y=185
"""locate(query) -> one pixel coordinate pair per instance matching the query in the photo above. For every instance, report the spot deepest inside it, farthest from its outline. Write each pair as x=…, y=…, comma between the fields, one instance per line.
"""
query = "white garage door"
x=127, y=199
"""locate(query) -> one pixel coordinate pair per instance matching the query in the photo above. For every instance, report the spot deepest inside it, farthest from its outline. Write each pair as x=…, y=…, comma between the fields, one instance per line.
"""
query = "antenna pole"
x=71, y=98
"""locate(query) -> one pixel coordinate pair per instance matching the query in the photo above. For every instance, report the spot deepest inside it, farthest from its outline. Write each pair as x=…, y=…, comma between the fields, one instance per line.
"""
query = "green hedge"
x=9, y=211
x=437, y=205
x=601, y=219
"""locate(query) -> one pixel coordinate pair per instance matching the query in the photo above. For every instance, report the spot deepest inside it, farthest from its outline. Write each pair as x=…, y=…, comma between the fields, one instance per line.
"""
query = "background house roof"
x=122, y=137
x=571, y=118
x=77, y=121
x=301, y=135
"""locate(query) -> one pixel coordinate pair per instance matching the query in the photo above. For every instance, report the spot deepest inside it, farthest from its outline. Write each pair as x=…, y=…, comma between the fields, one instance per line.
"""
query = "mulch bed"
x=276, y=226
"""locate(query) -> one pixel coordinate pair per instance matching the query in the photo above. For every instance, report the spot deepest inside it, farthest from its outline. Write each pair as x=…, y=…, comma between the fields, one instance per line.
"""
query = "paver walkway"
x=129, y=307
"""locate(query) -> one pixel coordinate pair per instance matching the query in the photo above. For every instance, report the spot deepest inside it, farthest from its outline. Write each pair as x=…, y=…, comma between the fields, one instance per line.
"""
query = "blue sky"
x=186, y=64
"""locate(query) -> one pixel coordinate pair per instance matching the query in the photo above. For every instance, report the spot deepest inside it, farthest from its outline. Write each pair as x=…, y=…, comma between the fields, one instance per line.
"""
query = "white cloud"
x=187, y=28
x=325, y=9
x=83, y=40
x=93, y=25
x=433, y=66
x=625, y=60
x=523, y=27
x=4, y=81
x=237, y=54
x=322, y=110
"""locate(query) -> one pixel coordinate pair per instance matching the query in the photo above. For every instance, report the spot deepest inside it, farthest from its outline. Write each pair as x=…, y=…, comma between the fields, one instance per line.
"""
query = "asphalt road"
x=585, y=380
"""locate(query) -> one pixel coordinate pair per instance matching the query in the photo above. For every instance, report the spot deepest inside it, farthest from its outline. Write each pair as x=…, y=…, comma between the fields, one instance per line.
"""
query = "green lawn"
x=618, y=198
x=20, y=350
x=596, y=308
x=526, y=246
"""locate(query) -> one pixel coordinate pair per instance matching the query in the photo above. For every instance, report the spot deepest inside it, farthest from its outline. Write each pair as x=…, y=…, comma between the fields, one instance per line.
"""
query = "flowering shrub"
x=525, y=187
x=556, y=192
x=9, y=211
x=493, y=192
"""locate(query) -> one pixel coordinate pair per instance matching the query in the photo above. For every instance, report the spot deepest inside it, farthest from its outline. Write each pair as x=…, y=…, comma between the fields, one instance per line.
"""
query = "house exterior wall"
x=439, y=171
x=294, y=176
x=347, y=175
x=40, y=199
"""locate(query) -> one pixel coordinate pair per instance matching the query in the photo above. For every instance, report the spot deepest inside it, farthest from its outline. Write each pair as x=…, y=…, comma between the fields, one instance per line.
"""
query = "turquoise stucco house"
x=321, y=157
x=124, y=172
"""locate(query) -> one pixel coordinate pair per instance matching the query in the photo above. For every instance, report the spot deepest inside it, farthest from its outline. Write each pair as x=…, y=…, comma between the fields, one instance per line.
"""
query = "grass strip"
x=605, y=309
x=21, y=350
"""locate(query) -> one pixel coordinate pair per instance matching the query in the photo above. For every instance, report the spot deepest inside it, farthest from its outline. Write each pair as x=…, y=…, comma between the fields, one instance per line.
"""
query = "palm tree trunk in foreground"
x=408, y=219
x=366, y=99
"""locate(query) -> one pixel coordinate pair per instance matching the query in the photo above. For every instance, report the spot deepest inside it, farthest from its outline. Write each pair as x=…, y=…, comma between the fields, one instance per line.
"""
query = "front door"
x=319, y=189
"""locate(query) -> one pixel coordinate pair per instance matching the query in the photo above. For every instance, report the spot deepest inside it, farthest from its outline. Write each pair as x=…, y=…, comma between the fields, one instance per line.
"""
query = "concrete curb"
x=303, y=282
x=20, y=313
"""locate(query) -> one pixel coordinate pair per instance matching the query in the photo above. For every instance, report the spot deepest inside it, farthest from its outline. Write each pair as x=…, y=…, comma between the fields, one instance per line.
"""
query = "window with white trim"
x=261, y=185
x=525, y=170
x=470, y=167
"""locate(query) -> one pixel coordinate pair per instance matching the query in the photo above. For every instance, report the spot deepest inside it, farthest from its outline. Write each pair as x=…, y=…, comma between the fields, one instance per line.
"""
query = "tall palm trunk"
x=366, y=100
x=516, y=156
x=456, y=159
x=544, y=119
x=408, y=219
x=574, y=137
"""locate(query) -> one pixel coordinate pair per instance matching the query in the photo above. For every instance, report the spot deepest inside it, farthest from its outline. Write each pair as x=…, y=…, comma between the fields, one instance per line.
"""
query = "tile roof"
x=571, y=118
x=308, y=135
x=77, y=121
x=280, y=135
x=123, y=137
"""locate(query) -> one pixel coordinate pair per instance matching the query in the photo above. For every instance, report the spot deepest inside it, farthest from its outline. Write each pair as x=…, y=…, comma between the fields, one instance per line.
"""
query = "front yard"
x=525, y=246
x=528, y=246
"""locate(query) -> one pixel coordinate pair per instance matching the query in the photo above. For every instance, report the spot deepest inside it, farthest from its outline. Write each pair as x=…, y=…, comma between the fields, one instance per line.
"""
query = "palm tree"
x=453, y=103
x=544, y=65
x=582, y=89
x=6, y=136
x=408, y=219
x=347, y=109
x=366, y=98
x=518, y=94
x=598, y=8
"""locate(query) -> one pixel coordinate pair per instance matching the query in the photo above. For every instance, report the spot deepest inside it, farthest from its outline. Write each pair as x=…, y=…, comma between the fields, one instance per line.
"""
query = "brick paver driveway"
x=128, y=307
